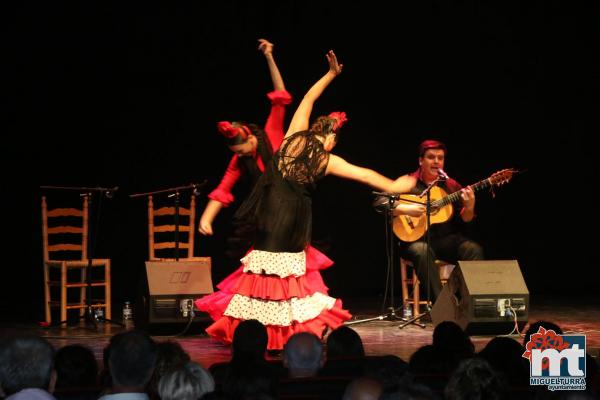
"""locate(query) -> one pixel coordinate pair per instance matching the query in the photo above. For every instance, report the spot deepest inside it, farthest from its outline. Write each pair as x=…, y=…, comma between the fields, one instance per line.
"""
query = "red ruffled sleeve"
x=274, y=126
x=222, y=193
x=280, y=97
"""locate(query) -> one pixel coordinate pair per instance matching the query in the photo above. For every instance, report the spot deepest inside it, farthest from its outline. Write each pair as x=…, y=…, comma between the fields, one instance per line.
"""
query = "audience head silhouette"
x=169, y=356
x=249, y=341
x=131, y=360
x=505, y=355
x=450, y=337
x=75, y=367
x=344, y=342
x=303, y=355
x=26, y=362
x=475, y=379
x=535, y=326
x=363, y=389
x=187, y=382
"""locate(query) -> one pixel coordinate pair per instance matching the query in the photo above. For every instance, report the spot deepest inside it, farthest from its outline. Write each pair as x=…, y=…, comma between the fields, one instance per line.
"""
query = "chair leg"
x=47, y=294
x=416, y=293
x=107, y=291
x=63, y=291
x=403, y=281
x=83, y=292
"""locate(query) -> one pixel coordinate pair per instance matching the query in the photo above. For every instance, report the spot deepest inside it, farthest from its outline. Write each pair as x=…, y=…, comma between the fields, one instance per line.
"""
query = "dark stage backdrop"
x=127, y=94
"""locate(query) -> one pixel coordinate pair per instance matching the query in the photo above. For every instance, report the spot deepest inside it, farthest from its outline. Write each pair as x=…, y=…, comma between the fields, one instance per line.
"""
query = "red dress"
x=285, y=305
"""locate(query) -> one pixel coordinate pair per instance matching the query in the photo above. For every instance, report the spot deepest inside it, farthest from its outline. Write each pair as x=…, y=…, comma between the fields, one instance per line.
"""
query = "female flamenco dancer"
x=279, y=283
x=253, y=148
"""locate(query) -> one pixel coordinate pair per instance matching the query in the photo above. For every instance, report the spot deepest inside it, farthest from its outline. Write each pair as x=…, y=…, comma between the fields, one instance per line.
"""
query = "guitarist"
x=447, y=240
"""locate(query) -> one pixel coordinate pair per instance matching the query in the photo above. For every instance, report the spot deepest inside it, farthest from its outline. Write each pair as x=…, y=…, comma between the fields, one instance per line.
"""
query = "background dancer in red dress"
x=253, y=148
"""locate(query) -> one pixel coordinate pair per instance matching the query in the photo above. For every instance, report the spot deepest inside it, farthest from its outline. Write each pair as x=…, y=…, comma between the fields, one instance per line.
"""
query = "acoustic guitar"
x=409, y=229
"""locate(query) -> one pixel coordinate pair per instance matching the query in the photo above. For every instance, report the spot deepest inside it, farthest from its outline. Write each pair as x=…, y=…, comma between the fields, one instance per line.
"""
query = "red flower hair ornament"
x=235, y=133
x=340, y=117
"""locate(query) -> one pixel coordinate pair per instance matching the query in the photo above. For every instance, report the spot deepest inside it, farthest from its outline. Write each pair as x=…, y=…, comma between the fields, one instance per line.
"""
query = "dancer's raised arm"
x=300, y=120
x=267, y=49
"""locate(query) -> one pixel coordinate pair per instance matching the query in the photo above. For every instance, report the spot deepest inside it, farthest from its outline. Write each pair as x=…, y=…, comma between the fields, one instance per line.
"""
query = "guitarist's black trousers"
x=450, y=248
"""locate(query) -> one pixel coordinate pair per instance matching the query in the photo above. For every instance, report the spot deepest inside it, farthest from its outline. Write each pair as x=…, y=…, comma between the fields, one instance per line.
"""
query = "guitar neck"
x=451, y=198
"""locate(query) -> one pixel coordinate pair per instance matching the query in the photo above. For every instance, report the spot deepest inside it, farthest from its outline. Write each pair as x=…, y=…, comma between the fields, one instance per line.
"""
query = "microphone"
x=384, y=201
x=110, y=193
x=198, y=187
x=381, y=204
x=394, y=196
x=443, y=174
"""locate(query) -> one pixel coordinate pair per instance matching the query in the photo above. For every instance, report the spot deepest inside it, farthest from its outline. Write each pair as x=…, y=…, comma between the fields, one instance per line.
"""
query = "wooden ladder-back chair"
x=163, y=243
x=65, y=245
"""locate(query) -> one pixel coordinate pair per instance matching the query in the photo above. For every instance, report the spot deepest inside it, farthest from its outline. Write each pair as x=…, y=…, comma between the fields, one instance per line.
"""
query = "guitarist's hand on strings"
x=468, y=199
x=410, y=209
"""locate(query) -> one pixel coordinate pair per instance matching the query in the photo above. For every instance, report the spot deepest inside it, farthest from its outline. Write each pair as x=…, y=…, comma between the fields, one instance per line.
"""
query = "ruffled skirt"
x=284, y=291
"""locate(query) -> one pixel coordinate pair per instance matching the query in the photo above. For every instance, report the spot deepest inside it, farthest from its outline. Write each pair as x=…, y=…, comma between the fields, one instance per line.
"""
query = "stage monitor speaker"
x=484, y=297
x=172, y=288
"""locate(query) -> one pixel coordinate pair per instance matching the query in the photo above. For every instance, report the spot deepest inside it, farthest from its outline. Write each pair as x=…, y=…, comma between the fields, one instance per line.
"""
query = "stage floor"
x=380, y=337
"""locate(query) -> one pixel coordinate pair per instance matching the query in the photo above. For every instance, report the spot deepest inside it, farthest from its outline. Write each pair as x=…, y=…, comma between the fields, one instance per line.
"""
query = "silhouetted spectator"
x=131, y=360
x=410, y=391
x=249, y=347
x=76, y=367
x=345, y=354
x=505, y=355
x=249, y=341
x=475, y=379
x=216, y=395
x=432, y=366
x=187, y=382
x=593, y=376
x=250, y=379
x=388, y=370
x=303, y=355
x=344, y=342
x=428, y=360
x=535, y=326
x=363, y=389
x=76, y=373
x=169, y=355
x=450, y=337
x=26, y=365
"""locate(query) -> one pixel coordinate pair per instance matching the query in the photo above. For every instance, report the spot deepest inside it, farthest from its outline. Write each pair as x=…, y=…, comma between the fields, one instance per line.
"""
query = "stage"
x=574, y=315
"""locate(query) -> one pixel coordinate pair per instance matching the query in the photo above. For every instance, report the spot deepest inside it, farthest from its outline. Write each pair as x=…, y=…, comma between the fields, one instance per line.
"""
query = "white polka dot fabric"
x=282, y=313
x=280, y=264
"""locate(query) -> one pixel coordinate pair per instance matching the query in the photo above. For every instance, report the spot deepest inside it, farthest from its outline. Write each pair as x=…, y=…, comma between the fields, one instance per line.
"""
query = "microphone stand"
x=391, y=315
x=90, y=317
x=174, y=192
x=427, y=193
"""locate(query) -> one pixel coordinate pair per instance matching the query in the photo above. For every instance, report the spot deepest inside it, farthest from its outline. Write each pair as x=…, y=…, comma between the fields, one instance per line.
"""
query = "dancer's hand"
x=334, y=67
x=265, y=46
x=205, y=227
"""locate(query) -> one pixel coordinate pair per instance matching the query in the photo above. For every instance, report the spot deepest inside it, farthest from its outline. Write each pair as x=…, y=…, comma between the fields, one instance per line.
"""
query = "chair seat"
x=96, y=262
x=78, y=284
